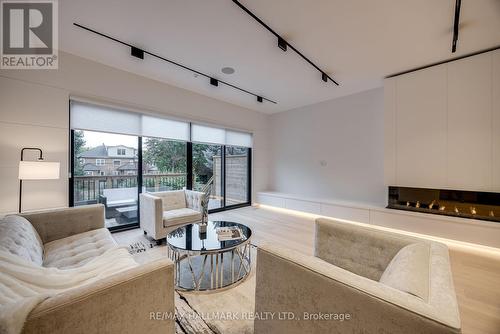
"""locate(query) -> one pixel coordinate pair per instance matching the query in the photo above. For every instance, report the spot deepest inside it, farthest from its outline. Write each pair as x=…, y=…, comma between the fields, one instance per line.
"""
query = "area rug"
x=224, y=312
x=139, y=246
x=221, y=312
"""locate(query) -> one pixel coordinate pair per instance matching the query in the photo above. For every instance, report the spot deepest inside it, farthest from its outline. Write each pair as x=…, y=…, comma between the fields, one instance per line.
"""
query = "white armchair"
x=162, y=211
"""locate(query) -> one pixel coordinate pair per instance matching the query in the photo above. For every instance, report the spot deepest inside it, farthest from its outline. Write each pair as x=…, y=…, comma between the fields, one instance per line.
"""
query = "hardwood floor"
x=476, y=269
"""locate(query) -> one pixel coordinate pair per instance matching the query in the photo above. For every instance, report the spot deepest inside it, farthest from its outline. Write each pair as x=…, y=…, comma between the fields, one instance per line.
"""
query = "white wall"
x=34, y=112
x=331, y=150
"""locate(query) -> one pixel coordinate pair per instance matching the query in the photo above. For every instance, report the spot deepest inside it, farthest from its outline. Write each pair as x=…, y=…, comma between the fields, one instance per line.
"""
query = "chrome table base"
x=221, y=273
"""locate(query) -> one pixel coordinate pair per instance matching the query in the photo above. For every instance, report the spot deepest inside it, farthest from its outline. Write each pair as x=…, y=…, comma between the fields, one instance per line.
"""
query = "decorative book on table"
x=229, y=233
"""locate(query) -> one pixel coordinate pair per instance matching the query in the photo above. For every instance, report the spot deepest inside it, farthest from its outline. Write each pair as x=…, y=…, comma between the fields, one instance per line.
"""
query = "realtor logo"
x=29, y=35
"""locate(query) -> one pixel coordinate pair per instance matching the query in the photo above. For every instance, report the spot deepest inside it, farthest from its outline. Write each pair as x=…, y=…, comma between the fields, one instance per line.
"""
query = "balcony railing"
x=88, y=188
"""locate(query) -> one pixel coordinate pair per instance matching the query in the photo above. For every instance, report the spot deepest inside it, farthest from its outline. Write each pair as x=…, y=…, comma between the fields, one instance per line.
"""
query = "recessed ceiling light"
x=227, y=70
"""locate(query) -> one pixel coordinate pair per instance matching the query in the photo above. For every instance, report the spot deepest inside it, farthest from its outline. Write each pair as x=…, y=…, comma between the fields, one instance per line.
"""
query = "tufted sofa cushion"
x=172, y=200
x=193, y=199
x=77, y=249
x=19, y=237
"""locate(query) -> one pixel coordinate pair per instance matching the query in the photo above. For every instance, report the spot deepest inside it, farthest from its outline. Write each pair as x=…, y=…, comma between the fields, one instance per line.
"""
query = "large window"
x=153, y=154
x=164, y=164
x=237, y=175
x=207, y=167
x=114, y=185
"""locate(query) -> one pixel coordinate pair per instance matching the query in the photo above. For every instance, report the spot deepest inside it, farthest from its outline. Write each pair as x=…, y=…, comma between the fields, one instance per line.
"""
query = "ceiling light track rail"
x=139, y=53
x=443, y=62
x=456, y=26
x=283, y=44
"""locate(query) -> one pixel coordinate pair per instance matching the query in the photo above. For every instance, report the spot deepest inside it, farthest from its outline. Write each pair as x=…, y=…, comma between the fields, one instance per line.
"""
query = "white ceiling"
x=358, y=42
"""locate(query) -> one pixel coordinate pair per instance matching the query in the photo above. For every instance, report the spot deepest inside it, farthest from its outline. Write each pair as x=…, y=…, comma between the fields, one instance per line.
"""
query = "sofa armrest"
x=193, y=199
x=360, y=249
x=289, y=281
x=151, y=211
x=127, y=302
x=61, y=223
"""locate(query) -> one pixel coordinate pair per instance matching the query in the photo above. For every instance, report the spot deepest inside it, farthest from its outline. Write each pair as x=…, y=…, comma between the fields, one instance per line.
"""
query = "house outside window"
x=120, y=151
x=100, y=162
x=116, y=163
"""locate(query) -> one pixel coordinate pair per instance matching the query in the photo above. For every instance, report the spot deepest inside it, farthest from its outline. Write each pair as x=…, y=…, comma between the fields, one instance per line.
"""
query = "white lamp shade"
x=38, y=170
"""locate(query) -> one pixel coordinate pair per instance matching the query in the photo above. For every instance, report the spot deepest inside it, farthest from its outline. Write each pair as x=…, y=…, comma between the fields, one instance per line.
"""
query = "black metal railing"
x=88, y=188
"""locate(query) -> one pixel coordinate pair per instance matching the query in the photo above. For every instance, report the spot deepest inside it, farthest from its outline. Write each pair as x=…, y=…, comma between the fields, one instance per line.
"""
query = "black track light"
x=282, y=44
x=259, y=99
x=136, y=52
x=139, y=53
x=456, y=26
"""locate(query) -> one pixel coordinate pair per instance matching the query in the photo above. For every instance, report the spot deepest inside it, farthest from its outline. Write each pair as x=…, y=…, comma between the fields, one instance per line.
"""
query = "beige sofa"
x=361, y=280
x=121, y=303
x=161, y=212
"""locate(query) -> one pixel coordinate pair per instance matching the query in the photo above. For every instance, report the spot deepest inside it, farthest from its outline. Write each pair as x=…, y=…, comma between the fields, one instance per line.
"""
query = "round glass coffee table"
x=203, y=262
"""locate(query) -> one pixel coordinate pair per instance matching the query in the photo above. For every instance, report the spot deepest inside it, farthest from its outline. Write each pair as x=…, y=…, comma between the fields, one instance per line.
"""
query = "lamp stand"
x=40, y=157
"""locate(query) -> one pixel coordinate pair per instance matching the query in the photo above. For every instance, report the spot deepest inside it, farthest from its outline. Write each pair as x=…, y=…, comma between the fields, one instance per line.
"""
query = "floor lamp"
x=35, y=170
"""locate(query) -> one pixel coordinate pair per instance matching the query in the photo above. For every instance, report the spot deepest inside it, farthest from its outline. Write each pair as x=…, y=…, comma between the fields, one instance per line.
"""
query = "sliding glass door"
x=207, y=169
x=237, y=175
x=105, y=171
x=153, y=154
x=164, y=165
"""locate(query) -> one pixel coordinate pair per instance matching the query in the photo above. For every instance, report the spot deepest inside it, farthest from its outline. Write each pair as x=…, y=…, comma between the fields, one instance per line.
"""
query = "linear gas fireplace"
x=455, y=203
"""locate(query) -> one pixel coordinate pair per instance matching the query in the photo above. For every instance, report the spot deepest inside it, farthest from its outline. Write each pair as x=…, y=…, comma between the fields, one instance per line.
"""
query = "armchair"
x=348, y=283
x=161, y=212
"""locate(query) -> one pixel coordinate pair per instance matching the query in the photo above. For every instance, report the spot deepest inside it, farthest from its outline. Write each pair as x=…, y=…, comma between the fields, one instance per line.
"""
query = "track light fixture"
x=283, y=45
x=136, y=52
x=456, y=26
x=259, y=99
x=139, y=53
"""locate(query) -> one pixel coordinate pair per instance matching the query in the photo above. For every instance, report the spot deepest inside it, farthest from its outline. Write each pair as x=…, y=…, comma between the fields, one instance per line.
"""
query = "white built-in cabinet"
x=470, y=123
x=442, y=125
x=468, y=230
x=390, y=131
x=421, y=127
